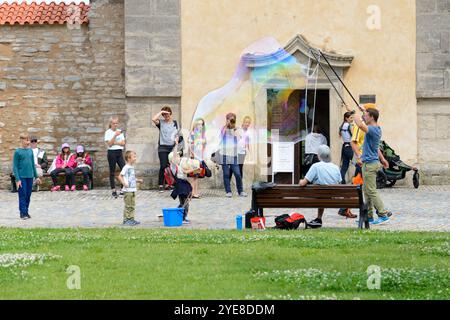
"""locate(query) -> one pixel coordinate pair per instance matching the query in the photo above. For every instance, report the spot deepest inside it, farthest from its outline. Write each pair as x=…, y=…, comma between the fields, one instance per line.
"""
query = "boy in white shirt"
x=128, y=179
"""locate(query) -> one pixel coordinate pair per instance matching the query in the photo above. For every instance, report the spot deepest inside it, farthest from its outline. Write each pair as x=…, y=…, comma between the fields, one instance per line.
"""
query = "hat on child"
x=80, y=149
x=65, y=145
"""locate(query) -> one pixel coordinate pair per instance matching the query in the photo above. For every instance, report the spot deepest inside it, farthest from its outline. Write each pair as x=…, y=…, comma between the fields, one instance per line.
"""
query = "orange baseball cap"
x=370, y=106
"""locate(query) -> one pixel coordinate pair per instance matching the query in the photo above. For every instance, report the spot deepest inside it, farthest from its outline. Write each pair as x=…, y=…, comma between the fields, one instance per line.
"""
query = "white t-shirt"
x=109, y=134
x=313, y=141
x=129, y=177
x=346, y=133
x=244, y=141
x=178, y=171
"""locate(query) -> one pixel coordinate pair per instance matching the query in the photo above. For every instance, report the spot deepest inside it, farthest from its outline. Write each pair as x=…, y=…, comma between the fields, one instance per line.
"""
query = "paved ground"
x=426, y=208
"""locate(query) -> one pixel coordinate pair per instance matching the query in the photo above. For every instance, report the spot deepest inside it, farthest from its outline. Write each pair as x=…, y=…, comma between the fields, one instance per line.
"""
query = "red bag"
x=168, y=177
x=258, y=223
x=289, y=222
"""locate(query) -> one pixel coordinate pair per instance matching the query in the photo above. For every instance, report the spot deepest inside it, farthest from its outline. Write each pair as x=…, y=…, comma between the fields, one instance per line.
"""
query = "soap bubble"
x=265, y=72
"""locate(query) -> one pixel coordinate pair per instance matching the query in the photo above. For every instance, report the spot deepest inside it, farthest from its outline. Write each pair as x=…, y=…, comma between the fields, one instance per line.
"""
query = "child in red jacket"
x=64, y=163
x=82, y=162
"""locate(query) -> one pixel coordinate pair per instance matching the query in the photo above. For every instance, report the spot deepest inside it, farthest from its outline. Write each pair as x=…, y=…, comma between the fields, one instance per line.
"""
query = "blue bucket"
x=173, y=217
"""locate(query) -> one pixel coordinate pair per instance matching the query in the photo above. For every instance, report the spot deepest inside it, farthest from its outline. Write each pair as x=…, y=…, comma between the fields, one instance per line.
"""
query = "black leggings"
x=163, y=163
x=184, y=202
x=114, y=156
x=84, y=171
x=70, y=178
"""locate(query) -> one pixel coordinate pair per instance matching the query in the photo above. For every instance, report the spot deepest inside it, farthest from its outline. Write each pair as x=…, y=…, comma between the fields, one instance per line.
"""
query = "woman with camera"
x=229, y=137
x=168, y=134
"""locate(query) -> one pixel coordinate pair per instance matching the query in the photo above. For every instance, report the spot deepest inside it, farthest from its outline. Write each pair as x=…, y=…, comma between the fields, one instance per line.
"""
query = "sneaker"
x=161, y=189
x=73, y=188
x=316, y=223
x=381, y=220
x=121, y=193
x=25, y=217
x=186, y=221
x=347, y=213
x=114, y=194
x=85, y=187
x=243, y=194
x=55, y=188
x=229, y=195
x=387, y=213
x=67, y=188
x=131, y=222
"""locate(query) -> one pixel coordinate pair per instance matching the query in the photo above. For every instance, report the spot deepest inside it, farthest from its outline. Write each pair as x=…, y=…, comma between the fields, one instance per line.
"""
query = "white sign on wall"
x=283, y=157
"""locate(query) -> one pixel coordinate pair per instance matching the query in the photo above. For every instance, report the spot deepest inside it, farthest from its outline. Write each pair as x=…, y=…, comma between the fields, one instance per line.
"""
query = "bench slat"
x=317, y=195
x=309, y=203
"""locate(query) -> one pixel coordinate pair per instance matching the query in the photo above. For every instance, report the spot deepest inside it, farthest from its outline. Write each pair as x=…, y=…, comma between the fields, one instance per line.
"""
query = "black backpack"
x=289, y=222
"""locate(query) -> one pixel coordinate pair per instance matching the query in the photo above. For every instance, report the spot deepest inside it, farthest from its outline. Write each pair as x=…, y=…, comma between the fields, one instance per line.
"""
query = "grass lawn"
x=123, y=263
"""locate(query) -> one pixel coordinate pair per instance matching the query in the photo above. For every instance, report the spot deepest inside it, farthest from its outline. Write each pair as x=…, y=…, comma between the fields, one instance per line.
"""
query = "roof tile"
x=51, y=13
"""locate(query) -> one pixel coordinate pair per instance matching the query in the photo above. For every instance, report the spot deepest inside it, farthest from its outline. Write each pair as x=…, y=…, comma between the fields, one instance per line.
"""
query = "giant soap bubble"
x=266, y=89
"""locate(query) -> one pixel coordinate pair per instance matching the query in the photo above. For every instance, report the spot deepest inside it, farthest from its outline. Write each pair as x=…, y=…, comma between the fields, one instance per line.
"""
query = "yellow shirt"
x=358, y=137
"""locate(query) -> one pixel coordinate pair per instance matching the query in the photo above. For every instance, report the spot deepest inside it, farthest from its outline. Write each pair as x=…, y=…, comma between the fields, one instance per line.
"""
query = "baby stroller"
x=396, y=171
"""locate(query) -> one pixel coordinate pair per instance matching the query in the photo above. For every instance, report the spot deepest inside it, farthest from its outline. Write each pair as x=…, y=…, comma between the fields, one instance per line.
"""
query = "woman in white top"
x=115, y=140
x=244, y=143
x=197, y=144
x=345, y=132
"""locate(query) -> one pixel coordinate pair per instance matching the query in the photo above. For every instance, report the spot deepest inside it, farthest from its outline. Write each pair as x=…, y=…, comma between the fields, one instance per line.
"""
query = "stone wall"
x=433, y=90
x=152, y=75
x=62, y=84
x=434, y=140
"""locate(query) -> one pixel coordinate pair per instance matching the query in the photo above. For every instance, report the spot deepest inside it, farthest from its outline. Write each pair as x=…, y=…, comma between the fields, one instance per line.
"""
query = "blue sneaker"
x=381, y=220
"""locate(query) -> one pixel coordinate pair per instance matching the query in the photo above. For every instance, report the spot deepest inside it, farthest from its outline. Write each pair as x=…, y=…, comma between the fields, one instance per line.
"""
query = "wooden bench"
x=311, y=196
x=47, y=175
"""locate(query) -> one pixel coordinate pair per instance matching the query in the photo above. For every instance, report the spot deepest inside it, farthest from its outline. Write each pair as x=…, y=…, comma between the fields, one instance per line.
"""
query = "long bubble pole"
x=340, y=80
x=331, y=82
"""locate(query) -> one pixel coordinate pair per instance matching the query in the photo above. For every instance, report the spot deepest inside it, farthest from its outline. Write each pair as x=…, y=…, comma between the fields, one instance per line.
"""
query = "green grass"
x=186, y=264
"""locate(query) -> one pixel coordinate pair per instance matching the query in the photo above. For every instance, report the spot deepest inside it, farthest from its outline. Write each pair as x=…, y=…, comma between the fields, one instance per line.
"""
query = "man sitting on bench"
x=324, y=172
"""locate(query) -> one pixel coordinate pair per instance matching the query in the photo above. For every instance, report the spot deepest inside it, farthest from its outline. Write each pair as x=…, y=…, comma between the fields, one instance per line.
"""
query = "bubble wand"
x=331, y=82
x=340, y=80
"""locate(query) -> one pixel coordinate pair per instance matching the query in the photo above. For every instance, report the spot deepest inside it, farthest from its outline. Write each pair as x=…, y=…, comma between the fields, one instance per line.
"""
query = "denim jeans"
x=346, y=157
x=228, y=167
x=25, y=195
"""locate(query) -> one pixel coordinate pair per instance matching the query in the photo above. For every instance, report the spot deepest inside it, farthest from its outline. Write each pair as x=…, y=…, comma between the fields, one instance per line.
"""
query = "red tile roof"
x=41, y=13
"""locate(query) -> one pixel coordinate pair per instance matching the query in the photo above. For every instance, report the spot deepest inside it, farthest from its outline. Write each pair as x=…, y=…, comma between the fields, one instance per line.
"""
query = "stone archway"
x=301, y=50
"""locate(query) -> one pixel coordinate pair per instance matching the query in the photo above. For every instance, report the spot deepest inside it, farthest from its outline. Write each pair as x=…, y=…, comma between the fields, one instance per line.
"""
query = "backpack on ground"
x=289, y=222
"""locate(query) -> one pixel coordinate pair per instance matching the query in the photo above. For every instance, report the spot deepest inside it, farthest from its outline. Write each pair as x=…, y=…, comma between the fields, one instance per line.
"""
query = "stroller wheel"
x=416, y=179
